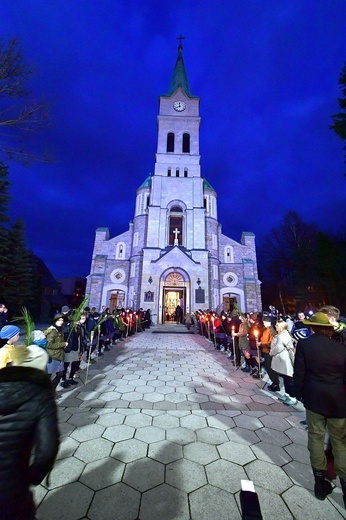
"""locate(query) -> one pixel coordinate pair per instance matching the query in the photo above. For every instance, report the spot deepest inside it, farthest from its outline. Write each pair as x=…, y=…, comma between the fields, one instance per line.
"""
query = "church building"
x=174, y=252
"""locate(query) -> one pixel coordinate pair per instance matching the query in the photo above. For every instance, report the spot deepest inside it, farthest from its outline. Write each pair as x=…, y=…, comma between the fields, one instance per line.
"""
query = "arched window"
x=170, y=142
x=186, y=143
x=177, y=172
x=228, y=255
x=185, y=172
x=120, y=250
x=169, y=172
x=175, y=226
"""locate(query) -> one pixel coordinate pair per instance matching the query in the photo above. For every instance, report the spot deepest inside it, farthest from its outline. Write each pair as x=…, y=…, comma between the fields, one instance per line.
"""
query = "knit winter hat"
x=9, y=331
x=65, y=308
x=37, y=335
x=32, y=356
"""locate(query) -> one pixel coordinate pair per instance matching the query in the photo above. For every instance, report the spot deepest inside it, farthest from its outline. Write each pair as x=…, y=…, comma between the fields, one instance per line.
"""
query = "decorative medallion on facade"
x=117, y=276
x=175, y=279
x=230, y=279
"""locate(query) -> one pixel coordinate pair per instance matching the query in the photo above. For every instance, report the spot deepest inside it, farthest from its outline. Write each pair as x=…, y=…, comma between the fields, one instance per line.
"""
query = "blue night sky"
x=267, y=75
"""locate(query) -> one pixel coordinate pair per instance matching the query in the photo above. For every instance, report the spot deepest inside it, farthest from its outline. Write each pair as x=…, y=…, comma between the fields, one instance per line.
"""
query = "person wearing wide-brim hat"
x=320, y=380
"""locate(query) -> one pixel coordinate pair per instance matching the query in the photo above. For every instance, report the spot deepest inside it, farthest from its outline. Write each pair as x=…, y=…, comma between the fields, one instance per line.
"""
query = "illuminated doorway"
x=228, y=302
x=173, y=298
x=117, y=300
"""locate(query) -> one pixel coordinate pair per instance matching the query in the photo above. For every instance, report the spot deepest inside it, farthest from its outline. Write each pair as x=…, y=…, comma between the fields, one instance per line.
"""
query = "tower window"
x=186, y=143
x=185, y=172
x=175, y=230
x=169, y=172
x=177, y=172
x=170, y=142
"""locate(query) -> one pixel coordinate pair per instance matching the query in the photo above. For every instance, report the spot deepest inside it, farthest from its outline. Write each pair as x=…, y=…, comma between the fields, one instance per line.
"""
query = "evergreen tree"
x=19, y=283
x=4, y=243
x=339, y=119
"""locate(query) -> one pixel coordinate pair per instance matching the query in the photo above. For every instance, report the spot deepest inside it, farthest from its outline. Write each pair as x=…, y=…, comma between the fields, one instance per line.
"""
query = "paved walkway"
x=166, y=429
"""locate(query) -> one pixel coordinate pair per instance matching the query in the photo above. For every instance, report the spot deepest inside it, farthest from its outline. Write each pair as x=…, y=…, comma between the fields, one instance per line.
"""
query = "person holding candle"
x=282, y=351
x=267, y=337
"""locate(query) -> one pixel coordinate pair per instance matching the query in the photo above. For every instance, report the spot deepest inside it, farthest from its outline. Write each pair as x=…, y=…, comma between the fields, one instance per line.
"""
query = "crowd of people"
x=309, y=355
x=306, y=354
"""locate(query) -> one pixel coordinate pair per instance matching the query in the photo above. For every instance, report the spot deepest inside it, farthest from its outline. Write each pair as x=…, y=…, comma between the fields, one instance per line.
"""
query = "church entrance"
x=116, y=300
x=228, y=302
x=173, y=298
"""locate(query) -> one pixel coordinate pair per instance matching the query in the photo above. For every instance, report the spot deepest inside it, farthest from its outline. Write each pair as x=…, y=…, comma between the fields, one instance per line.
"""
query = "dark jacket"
x=320, y=375
x=28, y=419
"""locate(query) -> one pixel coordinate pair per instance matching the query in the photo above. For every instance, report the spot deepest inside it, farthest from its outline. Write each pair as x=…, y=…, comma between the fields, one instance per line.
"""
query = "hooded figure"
x=29, y=436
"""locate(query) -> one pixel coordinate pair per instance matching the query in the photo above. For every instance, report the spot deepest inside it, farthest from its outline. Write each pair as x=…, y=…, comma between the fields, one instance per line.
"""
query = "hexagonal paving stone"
x=82, y=419
x=201, y=453
x=298, y=452
x=164, y=502
x=303, y=504
x=193, y=422
x=297, y=435
x=130, y=450
x=198, y=398
x=119, y=433
x=211, y=436
x=65, y=471
x=150, y=434
x=110, y=396
x=86, y=433
x=175, y=397
x=225, y=475
x=275, y=423
x=67, y=448
x=210, y=502
x=243, y=436
x=96, y=449
x=154, y=397
x=186, y=475
x=88, y=396
x=181, y=435
x=273, y=506
x=273, y=436
x=221, y=422
x=165, y=451
x=144, y=474
x=102, y=473
x=268, y=476
x=204, y=390
x=115, y=503
x=271, y=453
x=137, y=420
x=248, y=422
x=166, y=421
x=238, y=453
x=52, y=506
x=110, y=419
x=300, y=474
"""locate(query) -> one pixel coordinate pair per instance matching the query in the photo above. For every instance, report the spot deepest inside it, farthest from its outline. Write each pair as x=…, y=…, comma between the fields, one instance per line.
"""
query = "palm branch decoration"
x=76, y=315
x=29, y=324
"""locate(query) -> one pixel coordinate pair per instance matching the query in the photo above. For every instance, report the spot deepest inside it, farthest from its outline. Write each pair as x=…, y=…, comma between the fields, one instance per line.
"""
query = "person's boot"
x=322, y=487
x=343, y=487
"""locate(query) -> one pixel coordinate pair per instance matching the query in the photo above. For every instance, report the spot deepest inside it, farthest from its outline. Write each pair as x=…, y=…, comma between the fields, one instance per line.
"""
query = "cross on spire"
x=180, y=38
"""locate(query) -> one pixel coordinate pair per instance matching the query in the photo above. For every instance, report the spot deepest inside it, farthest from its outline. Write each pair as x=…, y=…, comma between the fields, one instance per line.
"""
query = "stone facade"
x=174, y=251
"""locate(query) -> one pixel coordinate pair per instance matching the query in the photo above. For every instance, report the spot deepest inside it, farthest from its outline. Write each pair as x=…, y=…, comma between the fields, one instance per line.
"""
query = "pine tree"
x=339, y=119
x=4, y=242
x=18, y=286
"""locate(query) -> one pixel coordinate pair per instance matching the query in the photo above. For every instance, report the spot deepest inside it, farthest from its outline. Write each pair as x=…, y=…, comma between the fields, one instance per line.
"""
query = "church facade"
x=174, y=252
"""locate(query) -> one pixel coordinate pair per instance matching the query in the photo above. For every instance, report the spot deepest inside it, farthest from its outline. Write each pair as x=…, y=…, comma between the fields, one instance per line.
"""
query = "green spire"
x=179, y=78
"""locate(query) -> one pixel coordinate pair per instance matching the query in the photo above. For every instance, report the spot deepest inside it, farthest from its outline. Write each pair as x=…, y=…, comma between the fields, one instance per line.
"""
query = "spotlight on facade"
x=150, y=280
x=198, y=281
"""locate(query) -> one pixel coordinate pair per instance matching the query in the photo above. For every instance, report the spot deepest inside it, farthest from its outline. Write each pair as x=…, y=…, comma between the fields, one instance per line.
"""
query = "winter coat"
x=282, y=352
x=55, y=343
x=266, y=339
x=28, y=419
x=242, y=335
x=320, y=375
x=6, y=354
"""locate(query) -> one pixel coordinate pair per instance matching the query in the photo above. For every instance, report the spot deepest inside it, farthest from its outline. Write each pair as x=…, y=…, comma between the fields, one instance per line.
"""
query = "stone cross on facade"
x=176, y=233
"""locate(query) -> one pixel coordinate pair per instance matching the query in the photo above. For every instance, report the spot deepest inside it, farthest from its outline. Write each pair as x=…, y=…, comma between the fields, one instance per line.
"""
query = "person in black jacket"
x=29, y=436
x=320, y=380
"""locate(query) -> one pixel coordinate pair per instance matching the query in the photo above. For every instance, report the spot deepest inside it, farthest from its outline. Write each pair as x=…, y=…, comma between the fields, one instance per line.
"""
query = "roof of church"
x=179, y=78
x=146, y=183
x=207, y=186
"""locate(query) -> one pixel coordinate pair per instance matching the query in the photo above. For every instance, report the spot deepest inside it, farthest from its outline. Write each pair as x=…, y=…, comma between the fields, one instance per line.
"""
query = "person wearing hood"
x=9, y=335
x=29, y=435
